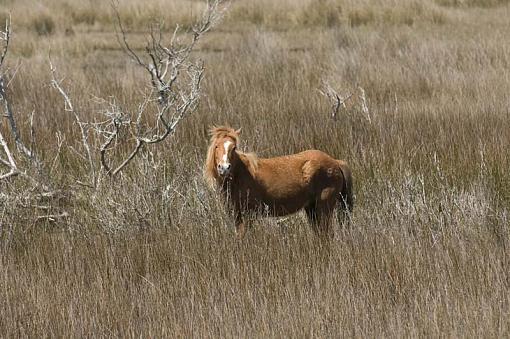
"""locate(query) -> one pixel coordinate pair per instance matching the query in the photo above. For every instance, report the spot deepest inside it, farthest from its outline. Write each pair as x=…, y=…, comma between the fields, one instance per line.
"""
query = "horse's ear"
x=238, y=131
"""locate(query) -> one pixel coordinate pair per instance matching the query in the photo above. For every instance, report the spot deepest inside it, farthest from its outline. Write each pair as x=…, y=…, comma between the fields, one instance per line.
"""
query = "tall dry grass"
x=153, y=253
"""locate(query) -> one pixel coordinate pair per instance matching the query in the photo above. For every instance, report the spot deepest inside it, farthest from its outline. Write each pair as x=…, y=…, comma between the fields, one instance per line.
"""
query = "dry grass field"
x=152, y=253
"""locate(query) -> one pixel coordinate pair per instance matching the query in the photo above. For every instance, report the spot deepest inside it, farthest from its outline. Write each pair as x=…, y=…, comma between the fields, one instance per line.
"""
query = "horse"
x=310, y=180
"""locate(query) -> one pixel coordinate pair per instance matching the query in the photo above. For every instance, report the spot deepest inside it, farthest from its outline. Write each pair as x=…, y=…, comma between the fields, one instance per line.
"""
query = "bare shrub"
x=351, y=103
x=176, y=98
x=174, y=93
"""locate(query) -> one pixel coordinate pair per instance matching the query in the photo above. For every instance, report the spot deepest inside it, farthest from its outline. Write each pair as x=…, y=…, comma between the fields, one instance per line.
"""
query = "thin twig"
x=52, y=217
x=337, y=101
x=364, y=106
x=69, y=108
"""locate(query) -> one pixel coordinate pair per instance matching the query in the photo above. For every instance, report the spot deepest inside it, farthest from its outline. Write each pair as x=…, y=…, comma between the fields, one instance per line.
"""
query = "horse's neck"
x=240, y=173
x=242, y=170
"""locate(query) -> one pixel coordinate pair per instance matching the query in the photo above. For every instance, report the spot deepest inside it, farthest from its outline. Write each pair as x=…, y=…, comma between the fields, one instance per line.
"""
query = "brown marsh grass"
x=153, y=253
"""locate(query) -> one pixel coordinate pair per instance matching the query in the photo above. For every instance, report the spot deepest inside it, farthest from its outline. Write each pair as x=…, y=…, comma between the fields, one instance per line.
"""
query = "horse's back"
x=292, y=165
x=288, y=183
x=281, y=177
x=298, y=173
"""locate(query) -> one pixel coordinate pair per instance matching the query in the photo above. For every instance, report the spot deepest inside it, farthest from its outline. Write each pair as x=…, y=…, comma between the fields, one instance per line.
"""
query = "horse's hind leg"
x=324, y=222
x=311, y=214
x=240, y=225
x=320, y=216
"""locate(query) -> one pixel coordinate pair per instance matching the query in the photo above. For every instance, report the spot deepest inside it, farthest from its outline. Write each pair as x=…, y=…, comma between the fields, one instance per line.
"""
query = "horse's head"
x=225, y=155
x=222, y=155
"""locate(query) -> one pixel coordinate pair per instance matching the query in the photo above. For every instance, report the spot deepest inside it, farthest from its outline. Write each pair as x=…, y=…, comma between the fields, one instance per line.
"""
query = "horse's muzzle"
x=224, y=169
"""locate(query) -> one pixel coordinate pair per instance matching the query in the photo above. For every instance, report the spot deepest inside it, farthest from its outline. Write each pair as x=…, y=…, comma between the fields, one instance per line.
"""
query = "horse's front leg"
x=240, y=225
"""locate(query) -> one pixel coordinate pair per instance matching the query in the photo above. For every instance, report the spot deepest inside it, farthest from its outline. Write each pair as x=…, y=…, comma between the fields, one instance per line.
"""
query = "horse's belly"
x=281, y=207
x=274, y=206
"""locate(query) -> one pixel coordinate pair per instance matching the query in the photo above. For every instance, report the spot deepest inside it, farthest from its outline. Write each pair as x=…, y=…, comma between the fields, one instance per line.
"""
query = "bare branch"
x=60, y=142
x=12, y=123
x=175, y=80
x=52, y=217
x=5, y=36
x=83, y=128
x=20, y=146
x=10, y=159
x=139, y=144
x=122, y=37
x=32, y=132
x=364, y=106
x=105, y=146
x=13, y=168
x=10, y=162
x=337, y=101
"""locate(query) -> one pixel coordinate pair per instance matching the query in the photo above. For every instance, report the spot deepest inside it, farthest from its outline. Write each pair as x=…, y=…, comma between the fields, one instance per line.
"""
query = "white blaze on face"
x=226, y=145
x=224, y=165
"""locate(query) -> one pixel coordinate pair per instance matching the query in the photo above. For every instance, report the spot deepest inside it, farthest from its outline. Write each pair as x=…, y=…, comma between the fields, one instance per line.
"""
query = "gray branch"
x=167, y=67
x=82, y=126
x=10, y=162
x=20, y=146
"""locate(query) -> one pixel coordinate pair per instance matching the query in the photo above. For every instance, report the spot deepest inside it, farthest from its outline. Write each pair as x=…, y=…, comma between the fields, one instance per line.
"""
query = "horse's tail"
x=346, y=199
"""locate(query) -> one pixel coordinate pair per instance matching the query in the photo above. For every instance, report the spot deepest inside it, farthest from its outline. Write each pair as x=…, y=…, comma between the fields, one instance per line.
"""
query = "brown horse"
x=283, y=185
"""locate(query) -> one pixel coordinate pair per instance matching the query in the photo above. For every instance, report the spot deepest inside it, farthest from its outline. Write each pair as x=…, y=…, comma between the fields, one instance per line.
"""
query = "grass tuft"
x=43, y=25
